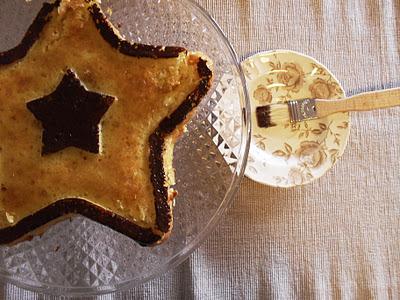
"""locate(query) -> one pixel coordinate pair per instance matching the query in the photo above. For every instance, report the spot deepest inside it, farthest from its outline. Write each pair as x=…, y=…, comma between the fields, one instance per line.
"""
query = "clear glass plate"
x=79, y=256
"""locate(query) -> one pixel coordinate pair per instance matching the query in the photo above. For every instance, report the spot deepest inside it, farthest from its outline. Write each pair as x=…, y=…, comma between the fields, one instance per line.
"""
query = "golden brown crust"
x=170, y=125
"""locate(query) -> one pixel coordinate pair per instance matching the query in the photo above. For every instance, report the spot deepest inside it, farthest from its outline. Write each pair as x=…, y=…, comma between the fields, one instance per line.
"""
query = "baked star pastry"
x=88, y=122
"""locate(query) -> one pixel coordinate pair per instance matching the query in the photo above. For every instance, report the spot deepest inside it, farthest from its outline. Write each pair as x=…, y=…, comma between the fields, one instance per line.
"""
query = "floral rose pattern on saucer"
x=292, y=76
x=262, y=95
x=289, y=155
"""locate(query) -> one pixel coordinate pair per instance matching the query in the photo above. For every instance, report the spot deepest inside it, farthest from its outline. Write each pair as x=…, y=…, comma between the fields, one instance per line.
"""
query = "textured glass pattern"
x=80, y=256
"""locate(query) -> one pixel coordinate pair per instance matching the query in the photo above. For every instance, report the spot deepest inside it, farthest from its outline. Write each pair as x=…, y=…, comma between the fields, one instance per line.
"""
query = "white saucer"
x=286, y=156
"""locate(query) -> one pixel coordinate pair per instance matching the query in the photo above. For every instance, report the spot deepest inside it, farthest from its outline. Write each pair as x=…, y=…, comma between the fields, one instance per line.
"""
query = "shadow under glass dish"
x=79, y=256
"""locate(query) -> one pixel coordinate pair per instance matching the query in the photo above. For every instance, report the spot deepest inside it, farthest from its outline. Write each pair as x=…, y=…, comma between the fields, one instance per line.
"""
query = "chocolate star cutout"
x=70, y=116
x=127, y=186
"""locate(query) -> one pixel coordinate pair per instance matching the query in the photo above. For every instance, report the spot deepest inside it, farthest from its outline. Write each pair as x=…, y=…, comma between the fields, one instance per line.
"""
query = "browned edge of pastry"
x=81, y=207
x=125, y=47
x=143, y=236
x=102, y=24
x=31, y=36
x=157, y=139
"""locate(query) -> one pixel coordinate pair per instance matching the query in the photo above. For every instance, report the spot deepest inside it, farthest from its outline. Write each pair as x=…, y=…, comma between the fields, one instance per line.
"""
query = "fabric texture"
x=338, y=238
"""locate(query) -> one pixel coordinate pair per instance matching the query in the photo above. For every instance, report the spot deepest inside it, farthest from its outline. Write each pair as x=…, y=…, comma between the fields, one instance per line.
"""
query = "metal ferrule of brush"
x=301, y=110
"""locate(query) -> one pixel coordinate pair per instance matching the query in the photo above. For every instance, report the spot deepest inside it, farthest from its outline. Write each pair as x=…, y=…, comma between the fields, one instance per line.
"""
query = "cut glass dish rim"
x=179, y=257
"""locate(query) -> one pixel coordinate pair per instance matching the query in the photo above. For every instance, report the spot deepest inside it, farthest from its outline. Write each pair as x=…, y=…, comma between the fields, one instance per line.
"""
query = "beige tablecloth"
x=340, y=236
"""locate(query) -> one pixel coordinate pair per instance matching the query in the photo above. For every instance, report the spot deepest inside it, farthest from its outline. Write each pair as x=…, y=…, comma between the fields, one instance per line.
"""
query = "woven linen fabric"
x=337, y=238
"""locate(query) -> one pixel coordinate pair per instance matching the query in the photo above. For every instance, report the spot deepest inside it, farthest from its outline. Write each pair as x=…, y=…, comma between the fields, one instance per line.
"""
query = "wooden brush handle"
x=360, y=102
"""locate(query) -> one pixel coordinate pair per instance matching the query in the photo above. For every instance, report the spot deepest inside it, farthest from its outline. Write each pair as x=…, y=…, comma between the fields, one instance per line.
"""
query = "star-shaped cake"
x=88, y=122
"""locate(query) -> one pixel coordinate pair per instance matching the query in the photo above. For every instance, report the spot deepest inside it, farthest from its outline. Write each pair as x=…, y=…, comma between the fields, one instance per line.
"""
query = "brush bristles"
x=264, y=116
x=271, y=115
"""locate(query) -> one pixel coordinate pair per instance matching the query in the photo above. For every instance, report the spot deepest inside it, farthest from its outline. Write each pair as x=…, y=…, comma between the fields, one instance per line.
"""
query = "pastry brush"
x=307, y=109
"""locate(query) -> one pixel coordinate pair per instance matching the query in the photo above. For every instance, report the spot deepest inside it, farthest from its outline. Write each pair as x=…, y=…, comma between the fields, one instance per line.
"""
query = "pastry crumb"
x=109, y=11
x=74, y=4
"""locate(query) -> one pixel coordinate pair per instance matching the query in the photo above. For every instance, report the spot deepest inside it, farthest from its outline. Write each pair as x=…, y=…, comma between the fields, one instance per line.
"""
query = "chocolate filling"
x=63, y=207
x=70, y=116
